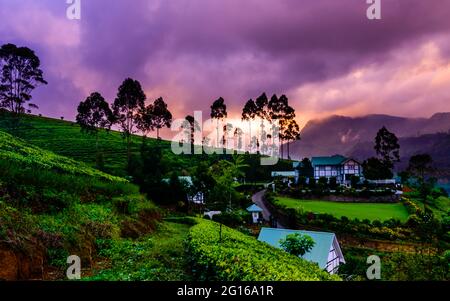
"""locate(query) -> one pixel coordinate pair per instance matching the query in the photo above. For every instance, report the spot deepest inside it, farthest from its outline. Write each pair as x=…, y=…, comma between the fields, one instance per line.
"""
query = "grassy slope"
x=156, y=257
x=16, y=150
x=65, y=138
x=351, y=210
x=51, y=206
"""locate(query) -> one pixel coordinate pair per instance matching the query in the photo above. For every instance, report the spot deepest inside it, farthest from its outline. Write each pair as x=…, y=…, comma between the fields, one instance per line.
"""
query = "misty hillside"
x=354, y=136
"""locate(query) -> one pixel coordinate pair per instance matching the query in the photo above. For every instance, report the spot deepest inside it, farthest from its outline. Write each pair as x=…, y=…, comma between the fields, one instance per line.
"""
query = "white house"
x=326, y=251
x=337, y=166
x=286, y=175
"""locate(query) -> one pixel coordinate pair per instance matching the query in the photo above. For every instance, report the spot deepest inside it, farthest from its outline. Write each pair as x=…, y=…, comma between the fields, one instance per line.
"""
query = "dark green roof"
x=334, y=160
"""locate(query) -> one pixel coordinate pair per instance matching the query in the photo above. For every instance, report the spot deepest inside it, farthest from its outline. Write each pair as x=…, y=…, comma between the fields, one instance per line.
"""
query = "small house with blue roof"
x=256, y=213
x=326, y=251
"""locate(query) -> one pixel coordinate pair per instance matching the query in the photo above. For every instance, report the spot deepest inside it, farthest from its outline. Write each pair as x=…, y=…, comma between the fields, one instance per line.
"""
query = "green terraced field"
x=65, y=138
x=370, y=211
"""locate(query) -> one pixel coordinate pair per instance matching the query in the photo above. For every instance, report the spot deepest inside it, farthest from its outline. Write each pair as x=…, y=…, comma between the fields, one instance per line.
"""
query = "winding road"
x=257, y=198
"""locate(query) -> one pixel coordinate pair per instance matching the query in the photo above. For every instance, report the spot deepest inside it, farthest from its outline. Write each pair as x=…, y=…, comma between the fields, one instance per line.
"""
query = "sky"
x=325, y=55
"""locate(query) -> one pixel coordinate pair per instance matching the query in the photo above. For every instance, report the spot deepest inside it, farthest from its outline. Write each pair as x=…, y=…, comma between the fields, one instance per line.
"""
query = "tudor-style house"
x=337, y=166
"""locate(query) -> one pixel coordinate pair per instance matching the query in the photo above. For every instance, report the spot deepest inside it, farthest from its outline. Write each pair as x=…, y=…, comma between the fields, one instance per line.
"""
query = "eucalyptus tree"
x=94, y=114
x=262, y=112
x=162, y=117
x=128, y=107
x=218, y=112
x=292, y=133
x=249, y=114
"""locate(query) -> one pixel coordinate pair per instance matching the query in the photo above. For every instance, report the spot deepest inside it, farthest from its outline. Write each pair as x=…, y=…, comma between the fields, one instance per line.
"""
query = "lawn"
x=360, y=211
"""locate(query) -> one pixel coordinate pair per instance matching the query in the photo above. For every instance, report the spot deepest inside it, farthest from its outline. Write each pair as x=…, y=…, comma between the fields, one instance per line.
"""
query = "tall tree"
x=249, y=114
x=292, y=133
x=94, y=114
x=145, y=120
x=280, y=111
x=387, y=147
x=190, y=126
x=227, y=129
x=262, y=112
x=129, y=103
x=420, y=165
x=238, y=133
x=20, y=74
x=218, y=112
x=161, y=115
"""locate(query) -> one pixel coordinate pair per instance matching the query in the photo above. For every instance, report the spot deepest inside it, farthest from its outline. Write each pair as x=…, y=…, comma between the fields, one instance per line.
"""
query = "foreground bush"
x=238, y=257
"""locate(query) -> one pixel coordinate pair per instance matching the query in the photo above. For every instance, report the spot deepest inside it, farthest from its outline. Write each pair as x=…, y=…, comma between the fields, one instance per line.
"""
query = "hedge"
x=238, y=257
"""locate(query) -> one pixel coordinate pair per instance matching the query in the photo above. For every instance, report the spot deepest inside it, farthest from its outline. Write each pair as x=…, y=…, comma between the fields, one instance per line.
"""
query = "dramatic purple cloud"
x=325, y=55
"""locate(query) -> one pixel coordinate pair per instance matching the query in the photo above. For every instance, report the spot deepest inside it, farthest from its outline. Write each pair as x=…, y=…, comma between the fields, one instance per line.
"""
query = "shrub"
x=297, y=244
x=233, y=218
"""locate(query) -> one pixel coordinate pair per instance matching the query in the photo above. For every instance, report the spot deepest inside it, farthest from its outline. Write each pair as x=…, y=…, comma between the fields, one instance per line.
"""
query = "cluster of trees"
x=20, y=74
x=420, y=175
x=277, y=109
x=128, y=111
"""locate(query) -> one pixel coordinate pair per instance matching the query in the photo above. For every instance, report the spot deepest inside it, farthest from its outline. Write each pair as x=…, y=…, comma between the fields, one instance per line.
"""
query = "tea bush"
x=238, y=257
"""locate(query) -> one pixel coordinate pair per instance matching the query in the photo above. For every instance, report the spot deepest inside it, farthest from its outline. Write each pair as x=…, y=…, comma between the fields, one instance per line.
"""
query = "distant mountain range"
x=354, y=136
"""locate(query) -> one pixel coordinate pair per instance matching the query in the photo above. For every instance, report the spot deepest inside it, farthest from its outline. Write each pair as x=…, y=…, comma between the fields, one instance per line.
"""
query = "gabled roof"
x=333, y=160
x=319, y=253
x=254, y=208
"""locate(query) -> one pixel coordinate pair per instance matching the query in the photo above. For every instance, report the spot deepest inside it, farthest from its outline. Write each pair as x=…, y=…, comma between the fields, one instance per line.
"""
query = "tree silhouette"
x=145, y=120
x=161, y=115
x=387, y=147
x=292, y=133
x=227, y=129
x=218, y=112
x=420, y=165
x=376, y=169
x=129, y=103
x=238, y=133
x=94, y=114
x=262, y=112
x=20, y=74
x=280, y=111
x=249, y=114
x=191, y=125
